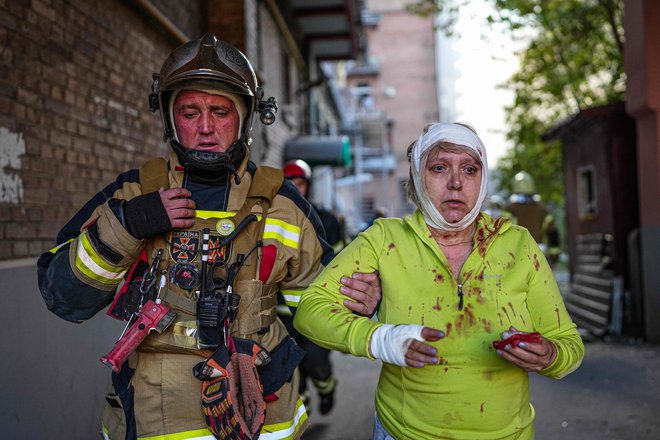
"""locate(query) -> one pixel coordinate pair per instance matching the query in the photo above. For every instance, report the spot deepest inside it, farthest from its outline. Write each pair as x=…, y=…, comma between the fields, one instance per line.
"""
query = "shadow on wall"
x=52, y=383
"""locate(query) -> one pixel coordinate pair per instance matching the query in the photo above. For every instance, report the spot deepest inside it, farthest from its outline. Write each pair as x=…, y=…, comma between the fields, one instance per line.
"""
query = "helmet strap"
x=209, y=167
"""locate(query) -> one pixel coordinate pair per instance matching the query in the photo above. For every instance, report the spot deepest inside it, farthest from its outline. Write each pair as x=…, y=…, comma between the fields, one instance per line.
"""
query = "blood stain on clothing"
x=481, y=408
x=487, y=325
x=537, y=264
x=390, y=247
x=335, y=266
x=324, y=285
x=449, y=327
x=469, y=315
x=558, y=317
x=439, y=278
x=480, y=277
x=507, y=314
x=437, y=305
x=480, y=298
x=512, y=309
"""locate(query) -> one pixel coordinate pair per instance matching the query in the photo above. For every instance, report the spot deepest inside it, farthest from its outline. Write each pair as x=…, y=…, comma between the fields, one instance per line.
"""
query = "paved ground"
x=614, y=395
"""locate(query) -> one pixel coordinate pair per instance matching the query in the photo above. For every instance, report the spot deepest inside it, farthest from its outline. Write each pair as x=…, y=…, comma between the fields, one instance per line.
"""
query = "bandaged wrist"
x=389, y=343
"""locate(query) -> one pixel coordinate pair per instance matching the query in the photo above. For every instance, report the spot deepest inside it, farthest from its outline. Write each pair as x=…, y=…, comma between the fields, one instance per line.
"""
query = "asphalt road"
x=614, y=395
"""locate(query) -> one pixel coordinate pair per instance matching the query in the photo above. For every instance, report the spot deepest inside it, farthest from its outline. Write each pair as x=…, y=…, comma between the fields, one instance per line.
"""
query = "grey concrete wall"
x=52, y=384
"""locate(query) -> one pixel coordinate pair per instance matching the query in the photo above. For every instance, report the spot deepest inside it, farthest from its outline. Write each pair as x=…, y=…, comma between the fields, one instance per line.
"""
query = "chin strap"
x=209, y=167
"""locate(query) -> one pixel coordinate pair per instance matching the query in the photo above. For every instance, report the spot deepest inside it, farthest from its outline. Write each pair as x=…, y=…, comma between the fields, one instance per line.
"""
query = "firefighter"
x=316, y=365
x=209, y=238
x=527, y=210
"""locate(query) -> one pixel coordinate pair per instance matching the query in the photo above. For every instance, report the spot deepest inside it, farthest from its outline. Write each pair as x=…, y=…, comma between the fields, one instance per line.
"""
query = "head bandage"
x=454, y=134
x=238, y=103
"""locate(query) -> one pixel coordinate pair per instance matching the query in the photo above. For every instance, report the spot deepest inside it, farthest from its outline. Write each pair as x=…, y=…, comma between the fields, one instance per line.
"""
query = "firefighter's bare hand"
x=420, y=353
x=530, y=356
x=364, y=291
x=179, y=206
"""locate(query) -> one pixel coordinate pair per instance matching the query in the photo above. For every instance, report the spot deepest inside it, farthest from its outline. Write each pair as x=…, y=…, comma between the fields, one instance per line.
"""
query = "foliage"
x=574, y=60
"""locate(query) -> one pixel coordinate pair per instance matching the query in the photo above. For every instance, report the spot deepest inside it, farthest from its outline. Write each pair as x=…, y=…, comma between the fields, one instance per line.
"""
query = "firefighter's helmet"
x=213, y=66
x=297, y=168
x=523, y=183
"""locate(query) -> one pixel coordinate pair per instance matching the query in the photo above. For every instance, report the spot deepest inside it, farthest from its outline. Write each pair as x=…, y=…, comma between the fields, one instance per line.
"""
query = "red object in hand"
x=516, y=339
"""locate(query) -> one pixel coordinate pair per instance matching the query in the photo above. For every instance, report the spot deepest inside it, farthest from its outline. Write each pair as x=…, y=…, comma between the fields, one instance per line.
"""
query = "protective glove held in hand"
x=389, y=343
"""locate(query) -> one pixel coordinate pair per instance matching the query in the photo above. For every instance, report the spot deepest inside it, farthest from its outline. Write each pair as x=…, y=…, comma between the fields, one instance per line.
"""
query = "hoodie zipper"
x=460, y=296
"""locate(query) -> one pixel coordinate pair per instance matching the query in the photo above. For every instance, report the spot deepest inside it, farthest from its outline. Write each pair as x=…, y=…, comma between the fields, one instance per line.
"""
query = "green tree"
x=574, y=60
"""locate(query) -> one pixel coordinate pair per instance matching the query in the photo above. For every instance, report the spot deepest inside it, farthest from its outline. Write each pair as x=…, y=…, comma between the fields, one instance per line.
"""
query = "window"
x=586, y=192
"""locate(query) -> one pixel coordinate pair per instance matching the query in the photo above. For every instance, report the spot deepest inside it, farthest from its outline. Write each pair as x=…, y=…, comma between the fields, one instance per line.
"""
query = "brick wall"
x=74, y=79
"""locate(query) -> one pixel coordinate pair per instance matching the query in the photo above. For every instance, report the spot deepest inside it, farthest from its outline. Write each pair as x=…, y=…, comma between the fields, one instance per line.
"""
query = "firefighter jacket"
x=471, y=392
x=80, y=277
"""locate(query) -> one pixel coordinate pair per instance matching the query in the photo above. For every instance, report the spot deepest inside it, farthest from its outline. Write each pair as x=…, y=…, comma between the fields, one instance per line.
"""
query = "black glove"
x=143, y=216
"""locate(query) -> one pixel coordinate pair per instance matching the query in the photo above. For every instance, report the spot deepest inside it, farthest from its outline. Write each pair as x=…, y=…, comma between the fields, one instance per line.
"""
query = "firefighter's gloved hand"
x=404, y=345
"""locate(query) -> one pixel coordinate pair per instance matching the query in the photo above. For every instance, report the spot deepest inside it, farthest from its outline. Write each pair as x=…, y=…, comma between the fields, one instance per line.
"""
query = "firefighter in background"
x=316, y=364
x=300, y=174
x=527, y=210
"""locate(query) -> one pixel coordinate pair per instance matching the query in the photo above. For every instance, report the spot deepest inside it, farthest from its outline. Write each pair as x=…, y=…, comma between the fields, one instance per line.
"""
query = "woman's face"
x=452, y=181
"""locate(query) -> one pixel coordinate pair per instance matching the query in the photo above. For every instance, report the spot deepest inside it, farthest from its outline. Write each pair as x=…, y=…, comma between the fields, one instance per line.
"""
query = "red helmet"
x=297, y=168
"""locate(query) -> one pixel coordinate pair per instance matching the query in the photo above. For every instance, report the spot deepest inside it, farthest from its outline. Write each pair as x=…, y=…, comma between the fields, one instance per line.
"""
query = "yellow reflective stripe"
x=197, y=434
x=291, y=297
x=213, y=214
x=205, y=215
x=97, y=259
x=283, y=232
x=86, y=264
x=283, y=310
x=104, y=432
x=56, y=248
x=285, y=430
x=277, y=431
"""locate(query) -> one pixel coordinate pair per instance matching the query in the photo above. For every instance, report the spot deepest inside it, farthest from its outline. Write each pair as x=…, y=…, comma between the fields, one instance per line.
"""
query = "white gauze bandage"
x=238, y=103
x=389, y=343
x=459, y=135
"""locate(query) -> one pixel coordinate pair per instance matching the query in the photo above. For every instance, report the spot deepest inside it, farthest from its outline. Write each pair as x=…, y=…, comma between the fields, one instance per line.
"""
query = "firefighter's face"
x=205, y=122
x=302, y=185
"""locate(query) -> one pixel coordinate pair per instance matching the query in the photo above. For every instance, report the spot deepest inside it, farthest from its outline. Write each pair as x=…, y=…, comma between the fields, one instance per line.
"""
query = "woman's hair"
x=448, y=147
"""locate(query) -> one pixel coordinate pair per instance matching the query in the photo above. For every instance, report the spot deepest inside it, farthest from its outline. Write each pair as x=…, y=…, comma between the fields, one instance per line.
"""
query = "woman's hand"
x=419, y=353
x=530, y=356
x=404, y=344
x=364, y=290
